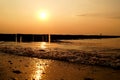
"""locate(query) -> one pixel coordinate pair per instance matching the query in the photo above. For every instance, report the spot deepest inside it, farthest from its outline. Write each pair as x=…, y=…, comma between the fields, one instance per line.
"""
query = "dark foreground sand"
x=13, y=67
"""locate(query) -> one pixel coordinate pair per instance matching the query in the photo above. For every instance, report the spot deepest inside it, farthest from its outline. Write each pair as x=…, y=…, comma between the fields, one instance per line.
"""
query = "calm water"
x=112, y=44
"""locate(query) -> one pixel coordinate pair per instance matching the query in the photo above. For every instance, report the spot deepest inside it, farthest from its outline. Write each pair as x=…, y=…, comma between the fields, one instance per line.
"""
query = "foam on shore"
x=74, y=56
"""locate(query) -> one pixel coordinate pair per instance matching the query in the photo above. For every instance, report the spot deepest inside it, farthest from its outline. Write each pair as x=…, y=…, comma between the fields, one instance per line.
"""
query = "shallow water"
x=103, y=52
x=110, y=45
x=94, y=44
x=75, y=44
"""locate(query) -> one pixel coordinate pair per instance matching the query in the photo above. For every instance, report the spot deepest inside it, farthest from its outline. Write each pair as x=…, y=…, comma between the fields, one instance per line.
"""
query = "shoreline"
x=72, y=56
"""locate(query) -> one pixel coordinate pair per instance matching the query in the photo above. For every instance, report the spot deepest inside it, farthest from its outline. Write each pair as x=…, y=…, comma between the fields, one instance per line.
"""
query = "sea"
x=101, y=52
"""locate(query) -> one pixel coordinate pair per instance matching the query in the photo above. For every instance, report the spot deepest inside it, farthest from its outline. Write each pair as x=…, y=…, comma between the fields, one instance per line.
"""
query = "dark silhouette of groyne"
x=45, y=37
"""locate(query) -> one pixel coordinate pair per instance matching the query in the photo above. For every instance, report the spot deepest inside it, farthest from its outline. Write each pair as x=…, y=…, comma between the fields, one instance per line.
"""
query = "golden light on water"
x=39, y=71
x=43, y=45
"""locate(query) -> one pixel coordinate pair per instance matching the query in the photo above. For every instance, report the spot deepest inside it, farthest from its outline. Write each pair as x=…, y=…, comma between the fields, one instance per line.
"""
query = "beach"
x=13, y=67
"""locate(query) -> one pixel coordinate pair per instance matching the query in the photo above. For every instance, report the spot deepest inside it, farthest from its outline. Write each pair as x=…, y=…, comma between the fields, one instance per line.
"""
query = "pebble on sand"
x=17, y=71
x=87, y=78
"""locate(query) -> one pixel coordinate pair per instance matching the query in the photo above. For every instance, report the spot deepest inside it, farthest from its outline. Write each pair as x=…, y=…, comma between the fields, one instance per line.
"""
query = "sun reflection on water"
x=38, y=72
x=43, y=45
x=40, y=69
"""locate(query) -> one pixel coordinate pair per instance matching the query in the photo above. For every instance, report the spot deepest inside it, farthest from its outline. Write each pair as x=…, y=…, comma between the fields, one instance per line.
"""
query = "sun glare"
x=43, y=15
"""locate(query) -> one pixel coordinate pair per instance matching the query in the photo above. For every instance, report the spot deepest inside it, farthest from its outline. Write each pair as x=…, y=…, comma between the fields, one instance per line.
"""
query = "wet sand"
x=13, y=67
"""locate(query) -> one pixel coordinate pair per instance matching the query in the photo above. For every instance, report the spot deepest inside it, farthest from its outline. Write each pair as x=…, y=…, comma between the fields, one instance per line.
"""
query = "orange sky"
x=64, y=16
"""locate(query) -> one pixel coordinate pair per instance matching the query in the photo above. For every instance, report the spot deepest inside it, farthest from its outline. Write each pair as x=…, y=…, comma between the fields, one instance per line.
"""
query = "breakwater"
x=45, y=37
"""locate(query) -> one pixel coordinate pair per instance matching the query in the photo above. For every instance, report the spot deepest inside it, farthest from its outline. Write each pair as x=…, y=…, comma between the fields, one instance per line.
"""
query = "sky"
x=63, y=16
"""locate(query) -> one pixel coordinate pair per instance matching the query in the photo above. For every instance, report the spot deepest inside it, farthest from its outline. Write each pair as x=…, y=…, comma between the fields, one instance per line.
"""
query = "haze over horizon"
x=60, y=16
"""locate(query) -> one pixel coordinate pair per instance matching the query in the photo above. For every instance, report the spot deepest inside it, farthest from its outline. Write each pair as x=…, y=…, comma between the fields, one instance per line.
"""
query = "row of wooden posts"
x=49, y=38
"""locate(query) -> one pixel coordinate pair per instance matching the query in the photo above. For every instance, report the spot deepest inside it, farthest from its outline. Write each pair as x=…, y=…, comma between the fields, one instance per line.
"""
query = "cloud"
x=115, y=17
x=107, y=15
x=90, y=14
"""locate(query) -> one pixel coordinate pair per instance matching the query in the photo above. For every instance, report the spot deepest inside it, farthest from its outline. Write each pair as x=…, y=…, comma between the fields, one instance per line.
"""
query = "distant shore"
x=45, y=37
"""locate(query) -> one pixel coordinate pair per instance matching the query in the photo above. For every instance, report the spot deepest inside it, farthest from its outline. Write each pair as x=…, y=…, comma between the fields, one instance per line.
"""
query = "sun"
x=43, y=15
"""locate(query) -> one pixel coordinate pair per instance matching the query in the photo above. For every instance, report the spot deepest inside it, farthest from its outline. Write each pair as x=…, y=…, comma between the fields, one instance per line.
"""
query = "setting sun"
x=60, y=16
x=43, y=15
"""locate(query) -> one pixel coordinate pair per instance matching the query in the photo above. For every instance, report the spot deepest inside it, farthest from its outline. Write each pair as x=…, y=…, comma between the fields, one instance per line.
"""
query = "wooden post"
x=16, y=38
x=33, y=38
x=20, y=39
x=43, y=38
x=49, y=38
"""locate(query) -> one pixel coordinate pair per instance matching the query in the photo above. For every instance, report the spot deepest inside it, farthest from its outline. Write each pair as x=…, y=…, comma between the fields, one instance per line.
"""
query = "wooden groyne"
x=46, y=37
